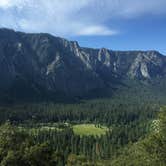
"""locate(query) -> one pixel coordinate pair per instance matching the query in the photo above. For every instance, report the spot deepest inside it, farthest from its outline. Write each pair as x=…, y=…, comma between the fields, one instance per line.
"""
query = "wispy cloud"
x=97, y=30
x=73, y=17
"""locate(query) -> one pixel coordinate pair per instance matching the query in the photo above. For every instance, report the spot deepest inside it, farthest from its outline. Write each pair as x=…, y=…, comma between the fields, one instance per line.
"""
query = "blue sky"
x=114, y=24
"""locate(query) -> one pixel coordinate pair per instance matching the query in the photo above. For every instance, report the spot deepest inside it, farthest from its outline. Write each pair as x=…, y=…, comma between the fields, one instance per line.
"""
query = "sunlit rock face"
x=44, y=64
x=147, y=65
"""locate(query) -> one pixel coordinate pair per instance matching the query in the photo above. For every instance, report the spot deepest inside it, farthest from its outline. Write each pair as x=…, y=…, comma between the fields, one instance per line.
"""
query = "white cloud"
x=6, y=4
x=97, y=31
x=74, y=17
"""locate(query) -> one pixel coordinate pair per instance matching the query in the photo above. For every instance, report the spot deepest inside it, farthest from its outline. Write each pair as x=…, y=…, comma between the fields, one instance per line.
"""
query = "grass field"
x=89, y=129
x=79, y=129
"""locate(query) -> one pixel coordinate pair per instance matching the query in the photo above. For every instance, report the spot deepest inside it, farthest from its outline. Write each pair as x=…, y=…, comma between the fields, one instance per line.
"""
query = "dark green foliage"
x=128, y=122
x=149, y=152
x=17, y=148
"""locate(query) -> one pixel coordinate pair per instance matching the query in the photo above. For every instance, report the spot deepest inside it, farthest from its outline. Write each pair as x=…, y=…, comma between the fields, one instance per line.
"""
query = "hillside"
x=41, y=66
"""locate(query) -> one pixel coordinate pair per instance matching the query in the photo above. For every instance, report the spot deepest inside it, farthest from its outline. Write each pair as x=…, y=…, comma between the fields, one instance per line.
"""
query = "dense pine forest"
x=48, y=134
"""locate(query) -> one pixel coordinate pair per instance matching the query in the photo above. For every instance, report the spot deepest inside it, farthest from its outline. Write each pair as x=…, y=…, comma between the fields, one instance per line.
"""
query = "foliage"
x=42, y=134
x=17, y=149
x=149, y=152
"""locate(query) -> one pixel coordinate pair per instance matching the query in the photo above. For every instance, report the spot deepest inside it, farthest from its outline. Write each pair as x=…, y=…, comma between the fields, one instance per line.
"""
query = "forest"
x=94, y=132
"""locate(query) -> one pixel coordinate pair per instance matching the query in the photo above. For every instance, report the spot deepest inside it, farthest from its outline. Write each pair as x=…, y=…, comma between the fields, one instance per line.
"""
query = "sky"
x=113, y=24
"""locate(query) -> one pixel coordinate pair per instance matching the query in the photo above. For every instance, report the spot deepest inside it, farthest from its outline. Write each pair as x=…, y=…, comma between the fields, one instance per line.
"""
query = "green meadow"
x=89, y=129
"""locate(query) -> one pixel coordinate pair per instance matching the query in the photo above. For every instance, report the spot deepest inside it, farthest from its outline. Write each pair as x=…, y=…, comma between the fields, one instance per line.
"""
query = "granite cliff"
x=44, y=65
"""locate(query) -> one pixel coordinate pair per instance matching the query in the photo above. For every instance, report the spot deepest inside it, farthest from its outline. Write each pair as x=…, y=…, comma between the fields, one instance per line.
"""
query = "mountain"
x=41, y=65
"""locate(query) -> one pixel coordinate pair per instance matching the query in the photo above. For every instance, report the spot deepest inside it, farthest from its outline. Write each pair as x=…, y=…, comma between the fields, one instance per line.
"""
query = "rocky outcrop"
x=147, y=65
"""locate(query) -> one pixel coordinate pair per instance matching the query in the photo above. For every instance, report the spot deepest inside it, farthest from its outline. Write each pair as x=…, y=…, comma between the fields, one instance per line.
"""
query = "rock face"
x=41, y=64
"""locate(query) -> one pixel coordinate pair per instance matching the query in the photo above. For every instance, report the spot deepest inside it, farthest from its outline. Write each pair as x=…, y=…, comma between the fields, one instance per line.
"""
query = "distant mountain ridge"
x=44, y=65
